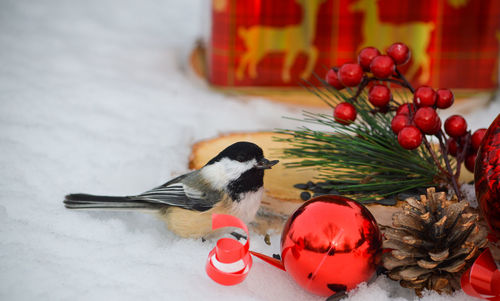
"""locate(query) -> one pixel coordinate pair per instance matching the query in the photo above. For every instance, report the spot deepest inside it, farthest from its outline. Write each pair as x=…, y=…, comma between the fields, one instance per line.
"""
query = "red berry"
x=400, y=53
x=455, y=126
x=436, y=128
x=365, y=57
x=444, y=98
x=452, y=147
x=382, y=66
x=470, y=161
x=426, y=119
x=410, y=137
x=424, y=96
x=379, y=95
x=405, y=109
x=399, y=122
x=350, y=74
x=344, y=113
x=476, y=139
x=332, y=78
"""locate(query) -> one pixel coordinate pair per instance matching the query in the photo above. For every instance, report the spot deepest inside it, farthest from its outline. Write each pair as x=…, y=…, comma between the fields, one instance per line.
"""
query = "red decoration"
x=452, y=147
x=424, y=96
x=382, y=66
x=405, y=109
x=366, y=56
x=400, y=53
x=399, y=122
x=445, y=98
x=455, y=126
x=330, y=244
x=344, y=113
x=482, y=280
x=410, y=137
x=476, y=138
x=426, y=119
x=273, y=43
x=487, y=177
x=332, y=78
x=379, y=96
x=230, y=261
x=350, y=75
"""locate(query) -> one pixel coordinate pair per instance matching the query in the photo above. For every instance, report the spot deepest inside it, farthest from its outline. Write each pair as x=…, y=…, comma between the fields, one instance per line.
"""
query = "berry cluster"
x=412, y=121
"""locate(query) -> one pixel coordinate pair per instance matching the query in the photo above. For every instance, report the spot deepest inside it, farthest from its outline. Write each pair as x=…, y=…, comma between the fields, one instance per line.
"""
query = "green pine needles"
x=363, y=159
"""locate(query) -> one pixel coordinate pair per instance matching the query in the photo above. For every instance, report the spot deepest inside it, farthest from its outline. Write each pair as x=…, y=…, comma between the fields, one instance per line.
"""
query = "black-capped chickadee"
x=230, y=183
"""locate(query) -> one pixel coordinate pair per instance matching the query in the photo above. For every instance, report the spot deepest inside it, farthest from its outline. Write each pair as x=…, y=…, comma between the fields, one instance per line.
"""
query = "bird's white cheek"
x=221, y=173
x=248, y=205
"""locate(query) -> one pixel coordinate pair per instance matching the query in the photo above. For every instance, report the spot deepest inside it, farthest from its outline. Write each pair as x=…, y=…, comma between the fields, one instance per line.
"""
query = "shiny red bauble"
x=332, y=79
x=410, y=137
x=487, y=177
x=399, y=52
x=344, y=113
x=365, y=57
x=426, y=119
x=399, y=122
x=331, y=244
x=445, y=98
x=424, y=96
x=476, y=138
x=379, y=96
x=350, y=75
x=455, y=126
x=382, y=66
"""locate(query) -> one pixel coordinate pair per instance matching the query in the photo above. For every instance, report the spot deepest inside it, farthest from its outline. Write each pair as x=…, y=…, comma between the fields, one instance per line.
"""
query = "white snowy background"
x=96, y=96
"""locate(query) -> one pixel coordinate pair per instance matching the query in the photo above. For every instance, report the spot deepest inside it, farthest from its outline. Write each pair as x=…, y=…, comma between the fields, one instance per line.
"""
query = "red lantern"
x=331, y=244
x=487, y=177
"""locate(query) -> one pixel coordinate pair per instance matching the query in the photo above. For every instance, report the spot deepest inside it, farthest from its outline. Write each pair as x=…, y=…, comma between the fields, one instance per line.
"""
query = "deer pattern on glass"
x=291, y=40
x=381, y=35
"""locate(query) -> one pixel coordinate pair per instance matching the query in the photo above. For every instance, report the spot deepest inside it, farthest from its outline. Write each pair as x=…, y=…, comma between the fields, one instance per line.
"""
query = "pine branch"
x=363, y=159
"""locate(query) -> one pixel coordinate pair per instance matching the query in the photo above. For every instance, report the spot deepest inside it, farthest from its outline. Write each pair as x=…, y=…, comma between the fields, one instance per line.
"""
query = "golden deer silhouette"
x=261, y=40
x=382, y=34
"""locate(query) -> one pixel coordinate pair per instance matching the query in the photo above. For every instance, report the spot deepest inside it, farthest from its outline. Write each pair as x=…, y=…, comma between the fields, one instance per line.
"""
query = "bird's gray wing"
x=179, y=193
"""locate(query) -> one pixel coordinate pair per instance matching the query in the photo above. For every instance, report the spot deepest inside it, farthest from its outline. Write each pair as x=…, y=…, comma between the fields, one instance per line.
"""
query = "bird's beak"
x=266, y=164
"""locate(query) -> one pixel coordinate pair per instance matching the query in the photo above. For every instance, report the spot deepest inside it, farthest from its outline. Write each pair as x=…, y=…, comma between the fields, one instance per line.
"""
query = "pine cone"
x=433, y=241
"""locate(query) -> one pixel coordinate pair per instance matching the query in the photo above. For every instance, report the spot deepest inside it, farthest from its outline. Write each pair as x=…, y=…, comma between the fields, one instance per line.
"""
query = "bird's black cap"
x=240, y=151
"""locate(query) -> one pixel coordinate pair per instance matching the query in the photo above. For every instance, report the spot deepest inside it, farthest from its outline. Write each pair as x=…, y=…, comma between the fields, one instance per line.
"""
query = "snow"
x=96, y=96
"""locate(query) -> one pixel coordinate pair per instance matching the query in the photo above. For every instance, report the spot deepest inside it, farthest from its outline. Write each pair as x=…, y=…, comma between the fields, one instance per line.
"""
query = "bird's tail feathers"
x=88, y=201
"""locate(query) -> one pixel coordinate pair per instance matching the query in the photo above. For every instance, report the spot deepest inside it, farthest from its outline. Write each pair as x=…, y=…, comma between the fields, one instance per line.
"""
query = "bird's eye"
x=240, y=158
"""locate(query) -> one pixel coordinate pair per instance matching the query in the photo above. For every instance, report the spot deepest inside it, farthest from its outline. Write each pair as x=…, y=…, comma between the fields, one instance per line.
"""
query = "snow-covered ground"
x=96, y=96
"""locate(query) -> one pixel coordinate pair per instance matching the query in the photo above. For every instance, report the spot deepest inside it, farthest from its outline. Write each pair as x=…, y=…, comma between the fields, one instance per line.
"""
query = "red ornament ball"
x=400, y=53
x=452, y=147
x=350, y=75
x=426, y=119
x=344, y=113
x=379, y=95
x=365, y=57
x=424, y=96
x=445, y=98
x=470, y=161
x=476, y=138
x=487, y=177
x=410, y=137
x=399, y=122
x=332, y=79
x=382, y=66
x=331, y=244
x=455, y=126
